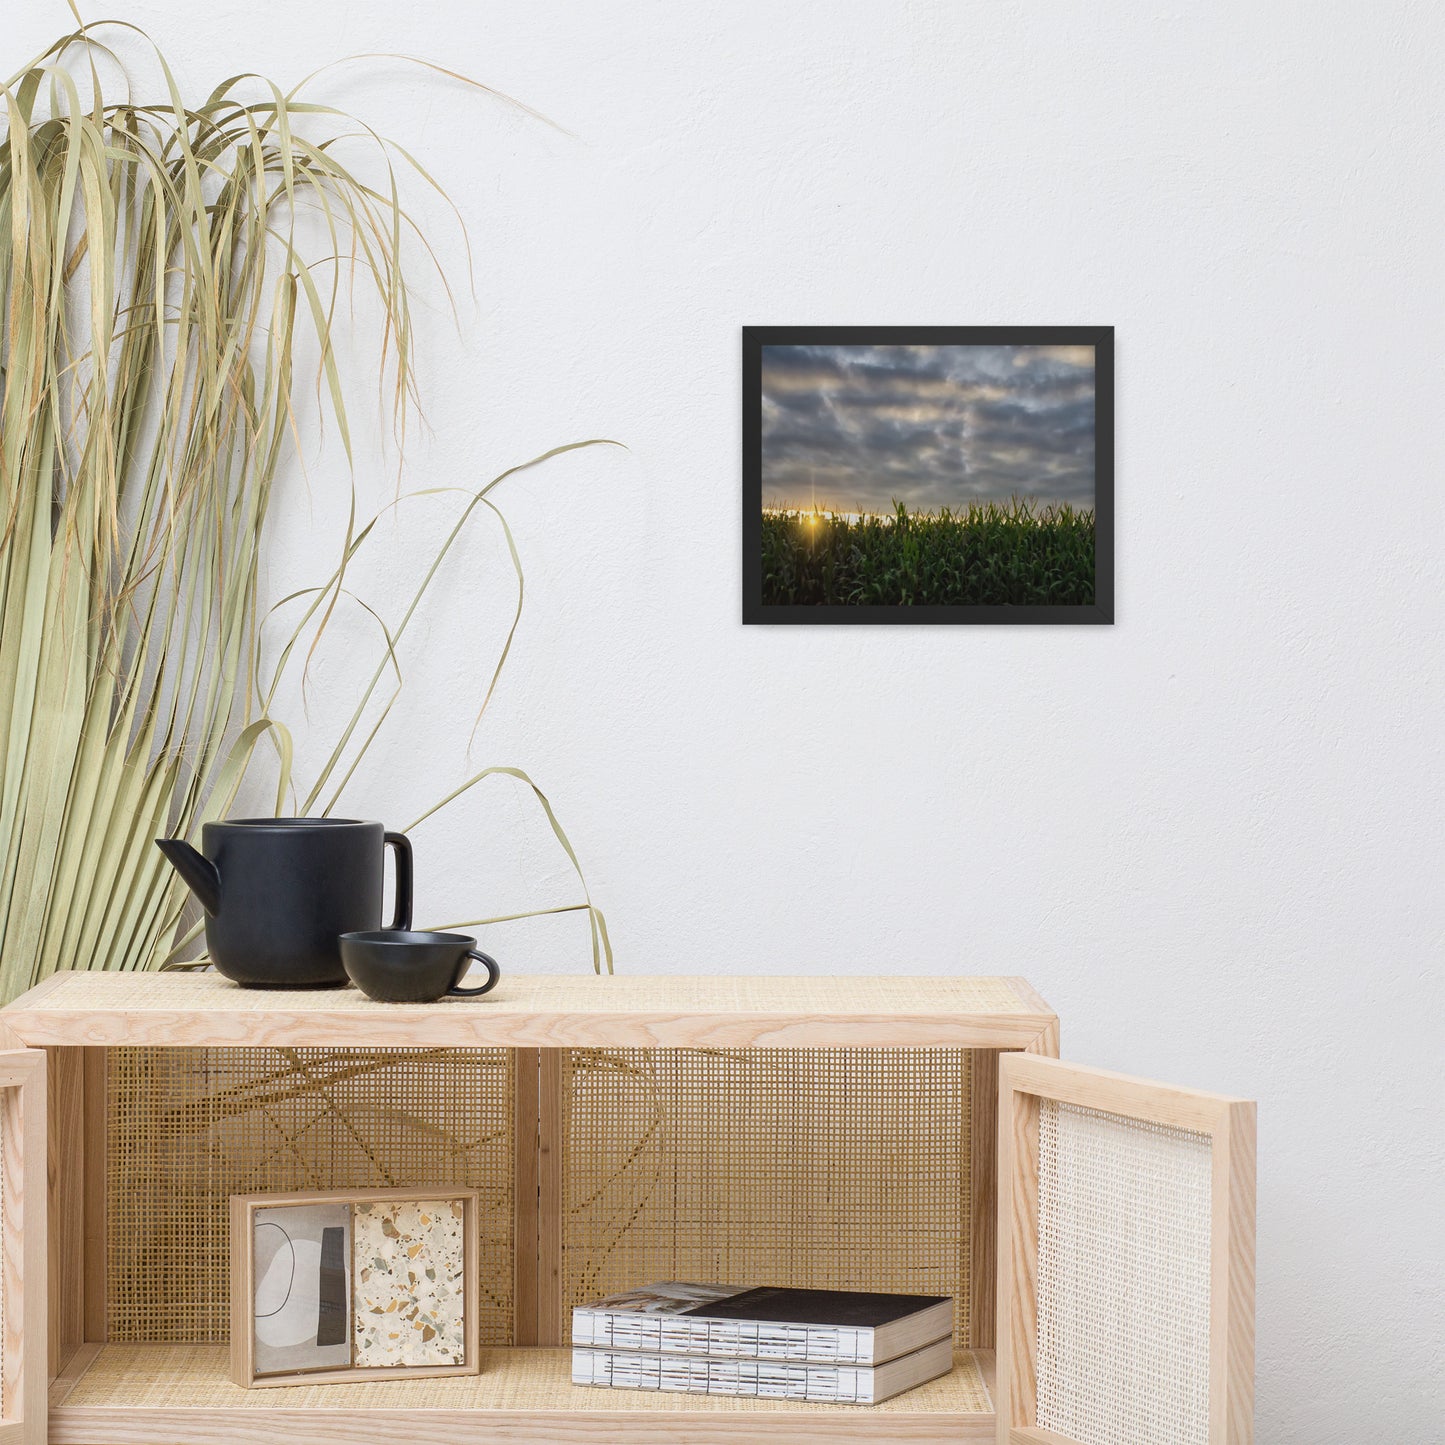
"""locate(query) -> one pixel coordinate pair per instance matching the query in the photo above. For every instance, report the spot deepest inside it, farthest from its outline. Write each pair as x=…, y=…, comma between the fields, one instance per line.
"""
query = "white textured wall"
x=1212, y=834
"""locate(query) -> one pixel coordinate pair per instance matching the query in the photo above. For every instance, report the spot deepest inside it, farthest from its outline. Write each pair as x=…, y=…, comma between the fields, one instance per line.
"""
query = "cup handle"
x=494, y=972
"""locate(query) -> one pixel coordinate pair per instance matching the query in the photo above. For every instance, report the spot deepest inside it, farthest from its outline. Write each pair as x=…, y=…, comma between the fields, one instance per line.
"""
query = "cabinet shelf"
x=181, y=1395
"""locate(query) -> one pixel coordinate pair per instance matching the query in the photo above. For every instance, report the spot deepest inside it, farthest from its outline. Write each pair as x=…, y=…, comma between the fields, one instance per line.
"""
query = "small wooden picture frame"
x=354, y=1285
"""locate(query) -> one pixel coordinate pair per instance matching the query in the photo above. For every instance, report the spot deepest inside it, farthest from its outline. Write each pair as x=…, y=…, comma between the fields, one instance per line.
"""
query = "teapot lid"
x=288, y=823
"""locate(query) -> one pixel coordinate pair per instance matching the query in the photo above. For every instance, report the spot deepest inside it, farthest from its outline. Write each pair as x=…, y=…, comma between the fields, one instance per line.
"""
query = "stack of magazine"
x=828, y=1346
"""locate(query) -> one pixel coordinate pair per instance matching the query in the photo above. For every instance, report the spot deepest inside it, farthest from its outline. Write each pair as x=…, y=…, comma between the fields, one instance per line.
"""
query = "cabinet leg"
x=94, y=1069
x=65, y=1088
x=983, y=1165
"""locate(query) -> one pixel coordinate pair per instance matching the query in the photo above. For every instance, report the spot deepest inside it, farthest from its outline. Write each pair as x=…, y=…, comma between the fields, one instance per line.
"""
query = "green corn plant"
x=987, y=554
x=156, y=292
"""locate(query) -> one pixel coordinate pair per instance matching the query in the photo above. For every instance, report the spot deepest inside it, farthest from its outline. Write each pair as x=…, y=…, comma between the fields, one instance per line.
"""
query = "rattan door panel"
x=23, y=1256
x=1126, y=1260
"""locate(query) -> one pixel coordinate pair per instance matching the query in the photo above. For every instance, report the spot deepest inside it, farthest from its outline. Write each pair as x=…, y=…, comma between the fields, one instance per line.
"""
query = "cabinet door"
x=23, y=1260
x=1126, y=1260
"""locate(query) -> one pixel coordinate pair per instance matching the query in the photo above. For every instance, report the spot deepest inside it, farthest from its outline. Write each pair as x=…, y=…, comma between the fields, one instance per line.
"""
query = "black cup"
x=393, y=965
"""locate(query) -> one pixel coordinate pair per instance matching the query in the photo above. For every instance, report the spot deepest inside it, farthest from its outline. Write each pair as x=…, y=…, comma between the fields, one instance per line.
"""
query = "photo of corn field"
x=928, y=475
x=990, y=555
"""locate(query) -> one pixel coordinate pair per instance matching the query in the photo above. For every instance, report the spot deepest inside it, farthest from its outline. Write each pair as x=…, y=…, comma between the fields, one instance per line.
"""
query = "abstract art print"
x=928, y=474
x=359, y=1285
x=302, y=1293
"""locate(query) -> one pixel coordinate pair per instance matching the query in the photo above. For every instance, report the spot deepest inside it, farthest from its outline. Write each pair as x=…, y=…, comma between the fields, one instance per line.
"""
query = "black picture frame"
x=1101, y=338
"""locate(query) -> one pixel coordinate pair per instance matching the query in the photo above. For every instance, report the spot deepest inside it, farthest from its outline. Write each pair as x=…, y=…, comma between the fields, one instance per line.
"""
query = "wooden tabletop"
x=539, y=1011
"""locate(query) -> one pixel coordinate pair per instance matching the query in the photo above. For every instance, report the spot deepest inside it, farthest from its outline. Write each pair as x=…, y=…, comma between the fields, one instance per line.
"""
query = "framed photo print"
x=928, y=474
x=353, y=1286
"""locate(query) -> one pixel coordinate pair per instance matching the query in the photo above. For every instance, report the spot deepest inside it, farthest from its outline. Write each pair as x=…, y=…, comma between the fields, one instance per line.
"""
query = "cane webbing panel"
x=824, y=1168
x=138, y=1377
x=187, y=1128
x=1123, y=1279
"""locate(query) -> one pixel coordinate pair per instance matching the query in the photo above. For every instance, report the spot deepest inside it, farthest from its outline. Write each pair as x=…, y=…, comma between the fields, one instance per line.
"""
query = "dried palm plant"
x=156, y=293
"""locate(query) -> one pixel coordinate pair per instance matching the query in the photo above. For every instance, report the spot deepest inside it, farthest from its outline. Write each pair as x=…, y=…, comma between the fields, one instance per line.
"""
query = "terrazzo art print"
x=409, y=1295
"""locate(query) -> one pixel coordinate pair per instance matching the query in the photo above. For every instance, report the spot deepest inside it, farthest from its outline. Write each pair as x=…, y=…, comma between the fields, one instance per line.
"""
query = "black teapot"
x=278, y=892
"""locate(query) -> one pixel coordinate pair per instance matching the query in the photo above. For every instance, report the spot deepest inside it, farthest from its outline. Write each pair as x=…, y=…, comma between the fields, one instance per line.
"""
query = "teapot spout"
x=199, y=873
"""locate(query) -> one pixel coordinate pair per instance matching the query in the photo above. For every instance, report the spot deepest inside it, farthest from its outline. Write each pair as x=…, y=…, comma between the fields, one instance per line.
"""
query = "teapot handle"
x=402, y=844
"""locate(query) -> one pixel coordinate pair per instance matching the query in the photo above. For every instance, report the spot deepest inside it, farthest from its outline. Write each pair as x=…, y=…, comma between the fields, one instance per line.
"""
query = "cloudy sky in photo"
x=859, y=427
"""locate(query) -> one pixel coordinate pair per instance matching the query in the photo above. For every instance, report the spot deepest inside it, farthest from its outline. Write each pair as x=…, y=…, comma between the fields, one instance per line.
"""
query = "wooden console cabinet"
x=664, y=1123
